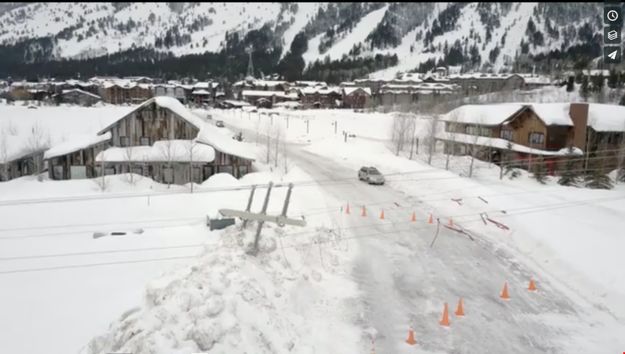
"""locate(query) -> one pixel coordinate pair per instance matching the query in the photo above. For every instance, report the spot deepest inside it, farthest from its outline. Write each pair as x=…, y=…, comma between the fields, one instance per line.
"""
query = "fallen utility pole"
x=262, y=217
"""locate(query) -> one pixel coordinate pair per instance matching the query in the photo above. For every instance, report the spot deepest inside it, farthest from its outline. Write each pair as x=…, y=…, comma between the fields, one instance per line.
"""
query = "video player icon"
x=611, y=55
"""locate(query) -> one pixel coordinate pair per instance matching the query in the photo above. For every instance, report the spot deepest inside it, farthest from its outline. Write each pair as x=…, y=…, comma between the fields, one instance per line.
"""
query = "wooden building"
x=26, y=163
x=356, y=97
x=124, y=93
x=532, y=130
x=75, y=158
x=320, y=97
x=162, y=136
x=77, y=97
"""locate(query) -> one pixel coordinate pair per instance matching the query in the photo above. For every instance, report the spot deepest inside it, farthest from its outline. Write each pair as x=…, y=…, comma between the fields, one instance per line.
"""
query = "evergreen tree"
x=509, y=168
x=584, y=89
x=540, y=172
x=598, y=180
x=569, y=176
x=612, y=79
x=570, y=84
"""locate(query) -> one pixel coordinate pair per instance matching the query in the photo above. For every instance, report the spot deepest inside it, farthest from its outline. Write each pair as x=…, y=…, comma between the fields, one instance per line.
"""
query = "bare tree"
x=4, y=154
x=102, y=182
x=620, y=172
x=403, y=125
x=168, y=154
x=128, y=155
x=432, y=131
x=190, y=150
x=451, y=124
x=38, y=140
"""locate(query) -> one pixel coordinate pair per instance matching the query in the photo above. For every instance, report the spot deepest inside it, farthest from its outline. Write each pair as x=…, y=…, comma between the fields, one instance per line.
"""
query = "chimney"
x=579, y=115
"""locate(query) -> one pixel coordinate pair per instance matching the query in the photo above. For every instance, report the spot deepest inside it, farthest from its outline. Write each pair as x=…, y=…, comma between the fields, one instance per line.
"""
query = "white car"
x=370, y=175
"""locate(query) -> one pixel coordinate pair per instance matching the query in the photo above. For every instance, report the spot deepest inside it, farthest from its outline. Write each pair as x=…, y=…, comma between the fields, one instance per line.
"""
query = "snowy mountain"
x=475, y=35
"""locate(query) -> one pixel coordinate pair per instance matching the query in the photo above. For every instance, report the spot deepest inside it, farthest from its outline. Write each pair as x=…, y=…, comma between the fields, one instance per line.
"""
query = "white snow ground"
x=314, y=290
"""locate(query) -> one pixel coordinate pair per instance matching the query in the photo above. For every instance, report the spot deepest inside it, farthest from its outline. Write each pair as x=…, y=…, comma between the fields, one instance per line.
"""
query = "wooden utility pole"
x=262, y=217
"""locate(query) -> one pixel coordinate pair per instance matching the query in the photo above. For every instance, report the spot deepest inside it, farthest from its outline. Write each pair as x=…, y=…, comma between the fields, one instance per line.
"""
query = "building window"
x=472, y=130
x=485, y=131
x=145, y=140
x=536, y=138
x=506, y=134
x=168, y=174
x=197, y=174
x=123, y=141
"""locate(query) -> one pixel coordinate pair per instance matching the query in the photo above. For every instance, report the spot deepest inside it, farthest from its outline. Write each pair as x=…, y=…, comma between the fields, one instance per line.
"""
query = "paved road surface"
x=405, y=282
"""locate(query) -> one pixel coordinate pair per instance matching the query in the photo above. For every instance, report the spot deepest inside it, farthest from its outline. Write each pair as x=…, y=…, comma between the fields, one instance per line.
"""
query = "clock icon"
x=612, y=15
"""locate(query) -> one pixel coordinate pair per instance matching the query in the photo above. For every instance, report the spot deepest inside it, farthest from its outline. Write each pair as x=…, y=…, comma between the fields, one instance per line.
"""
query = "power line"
x=74, y=254
x=521, y=211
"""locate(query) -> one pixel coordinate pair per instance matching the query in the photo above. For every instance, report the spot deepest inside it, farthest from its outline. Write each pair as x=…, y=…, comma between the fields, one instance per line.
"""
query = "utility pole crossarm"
x=278, y=219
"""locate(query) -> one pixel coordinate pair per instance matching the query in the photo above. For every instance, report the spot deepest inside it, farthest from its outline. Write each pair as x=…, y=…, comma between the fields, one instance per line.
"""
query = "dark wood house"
x=163, y=140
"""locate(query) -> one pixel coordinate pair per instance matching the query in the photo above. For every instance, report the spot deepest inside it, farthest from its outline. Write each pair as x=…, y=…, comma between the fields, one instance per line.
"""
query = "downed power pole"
x=262, y=217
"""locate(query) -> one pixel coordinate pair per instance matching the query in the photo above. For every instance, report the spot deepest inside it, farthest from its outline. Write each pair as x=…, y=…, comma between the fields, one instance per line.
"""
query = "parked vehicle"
x=220, y=123
x=370, y=175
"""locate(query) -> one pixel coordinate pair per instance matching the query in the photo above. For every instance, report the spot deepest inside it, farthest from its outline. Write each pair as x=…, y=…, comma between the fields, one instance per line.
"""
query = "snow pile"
x=231, y=302
x=161, y=151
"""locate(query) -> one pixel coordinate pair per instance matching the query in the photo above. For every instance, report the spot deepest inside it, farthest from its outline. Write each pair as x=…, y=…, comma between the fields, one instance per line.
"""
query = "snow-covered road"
x=405, y=282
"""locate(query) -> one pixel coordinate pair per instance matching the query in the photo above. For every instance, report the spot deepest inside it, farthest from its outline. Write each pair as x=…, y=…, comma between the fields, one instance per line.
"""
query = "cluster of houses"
x=525, y=132
x=160, y=139
x=114, y=90
x=405, y=88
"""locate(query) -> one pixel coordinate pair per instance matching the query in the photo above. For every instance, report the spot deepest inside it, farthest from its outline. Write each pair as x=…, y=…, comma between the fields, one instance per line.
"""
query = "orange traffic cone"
x=532, y=286
x=460, y=309
x=414, y=217
x=451, y=222
x=347, y=209
x=382, y=215
x=411, y=339
x=430, y=219
x=364, y=211
x=445, y=320
x=504, y=293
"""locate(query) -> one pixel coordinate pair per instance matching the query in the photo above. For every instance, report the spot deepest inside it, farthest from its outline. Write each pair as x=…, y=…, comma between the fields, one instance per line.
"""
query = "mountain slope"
x=478, y=36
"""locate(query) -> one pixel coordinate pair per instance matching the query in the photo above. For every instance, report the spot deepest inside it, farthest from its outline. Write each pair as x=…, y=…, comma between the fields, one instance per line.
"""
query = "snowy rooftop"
x=350, y=90
x=169, y=103
x=217, y=138
x=75, y=143
x=261, y=93
x=502, y=144
x=320, y=90
x=161, y=151
x=606, y=117
x=601, y=117
x=81, y=92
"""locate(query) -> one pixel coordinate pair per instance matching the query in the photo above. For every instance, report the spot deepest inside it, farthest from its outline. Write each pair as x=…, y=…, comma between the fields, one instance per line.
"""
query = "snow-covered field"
x=172, y=286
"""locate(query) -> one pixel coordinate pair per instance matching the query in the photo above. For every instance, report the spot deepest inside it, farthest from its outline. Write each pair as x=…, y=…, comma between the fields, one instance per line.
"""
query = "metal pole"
x=335, y=127
x=249, y=204
x=307, y=126
x=287, y=122
x=260, y=223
